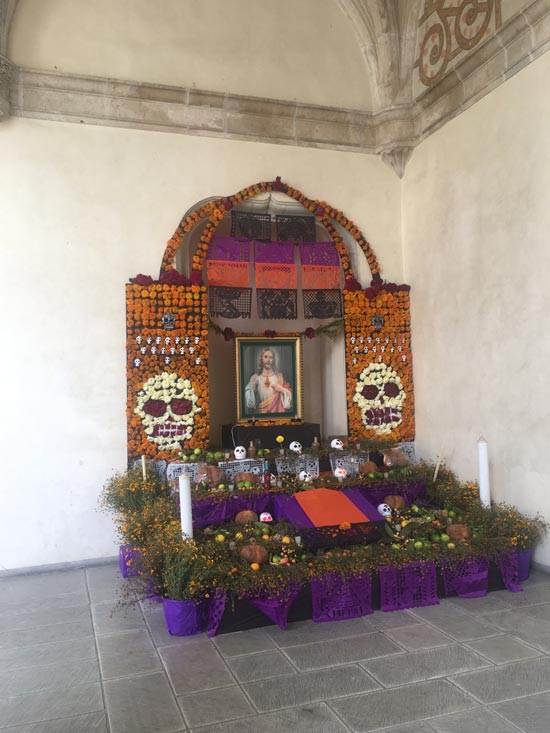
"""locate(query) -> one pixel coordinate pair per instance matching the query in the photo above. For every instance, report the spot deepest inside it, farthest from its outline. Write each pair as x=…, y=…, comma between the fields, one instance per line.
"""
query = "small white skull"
x=340, y=473
x=337, y=444
x=295, y=446
x=139, y=339
x=305, y=476
x=240, y=453
x=384, y=510
x=266, y=517
x=167, y=360
x=137, y=362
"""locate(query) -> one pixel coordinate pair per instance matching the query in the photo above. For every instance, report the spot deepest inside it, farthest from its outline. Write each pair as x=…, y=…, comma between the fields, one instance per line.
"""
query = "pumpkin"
x=458, y=531
x=368, y=467
x=395, y=501
x=395, y=457
x=254, y=553
x=246, y=516
x=245, y=476
x=210, y=474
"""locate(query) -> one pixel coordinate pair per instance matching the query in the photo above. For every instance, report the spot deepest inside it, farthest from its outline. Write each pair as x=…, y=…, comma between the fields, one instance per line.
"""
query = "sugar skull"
x=295, y=446
x=240, y=452
x=340, y=473
x=266, y=517
x=384, y=510
x=167, y=405
x=305, y=476
x=337, y=444
x=379, y=395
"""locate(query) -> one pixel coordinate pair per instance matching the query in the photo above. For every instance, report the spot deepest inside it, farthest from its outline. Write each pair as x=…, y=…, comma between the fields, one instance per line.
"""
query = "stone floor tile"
x=383, y=620
x=477, y=720
x=15, y=638
x=259, y=666
x=507, y=681
x=308, y=687
x=524, y=626
x=131, y=652
x=243, y=642
x=467, y=628
x=503, y=648
x=103, y=576
x=418, y=726
x=89, y=723
x=215, y=706
x=50, y=704
x=142, y=705
x=445, y=610
x=109, y=619
x=418, y=637
x=306, y=632
x=195, y=667
x=479, y=606
x=58, y=676
x=383, y=708
x=532, y=593
x=423, y=665
x=40, y=605
x=22, y=588
x=341, y=651
x=302, y=719
x=34, y=656
x=20, y=618
x=531, y=714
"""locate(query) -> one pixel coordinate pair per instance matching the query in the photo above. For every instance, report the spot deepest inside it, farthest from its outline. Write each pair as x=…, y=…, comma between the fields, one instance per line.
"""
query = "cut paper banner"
x=228, y=262
x=320, y=266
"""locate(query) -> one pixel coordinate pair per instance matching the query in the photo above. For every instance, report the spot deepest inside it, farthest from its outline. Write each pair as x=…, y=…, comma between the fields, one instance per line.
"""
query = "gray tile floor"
x=68, y=663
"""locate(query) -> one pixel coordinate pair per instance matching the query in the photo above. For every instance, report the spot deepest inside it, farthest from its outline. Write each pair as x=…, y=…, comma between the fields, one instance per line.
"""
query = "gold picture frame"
x=268, y=386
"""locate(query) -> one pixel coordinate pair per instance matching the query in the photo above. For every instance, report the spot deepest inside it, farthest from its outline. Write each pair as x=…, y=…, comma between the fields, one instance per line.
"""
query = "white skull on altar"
x=240, y=453
x=305, y=476
x=384, y=510
x=167, y=405
x=295, y=446
x=340, y=472
x=379, y=395
x=266, y=517
x=337, y=444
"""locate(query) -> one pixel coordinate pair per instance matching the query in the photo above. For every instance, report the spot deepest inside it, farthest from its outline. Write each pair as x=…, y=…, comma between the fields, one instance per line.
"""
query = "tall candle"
x=143, y=469
x=483, y=464
x=186, y=512
x=439, y=457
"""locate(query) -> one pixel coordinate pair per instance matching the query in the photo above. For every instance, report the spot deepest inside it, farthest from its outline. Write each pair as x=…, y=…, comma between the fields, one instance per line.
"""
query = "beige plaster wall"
x=82, y=209
x=289, y=50
x=476, y=220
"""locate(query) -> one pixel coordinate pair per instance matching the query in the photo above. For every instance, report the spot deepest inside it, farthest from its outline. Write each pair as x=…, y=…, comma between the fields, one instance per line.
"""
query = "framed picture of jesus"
x=269, y=378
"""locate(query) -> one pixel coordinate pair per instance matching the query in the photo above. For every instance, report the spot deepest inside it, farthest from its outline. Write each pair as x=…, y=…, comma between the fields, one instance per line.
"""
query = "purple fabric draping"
x=467, y=577
x=323, y=254
x=276, y=608
x=279, y=253
x=524, y=563
x=287, y=508
x=229, y=249
x=508, y=563
x=335, y=598
x=410, y=586
x=363, y=503
x=215, y=610
x=206, y=511
x=183, y=618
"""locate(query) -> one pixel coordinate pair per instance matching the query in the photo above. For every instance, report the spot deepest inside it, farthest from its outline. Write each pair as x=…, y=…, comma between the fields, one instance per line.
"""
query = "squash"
x=254, y=554
x=246, y=516
x=245, y=476
x=458, y=531
x=211, y=474
x=368, y=467
x=395, y=501
x=395, y=457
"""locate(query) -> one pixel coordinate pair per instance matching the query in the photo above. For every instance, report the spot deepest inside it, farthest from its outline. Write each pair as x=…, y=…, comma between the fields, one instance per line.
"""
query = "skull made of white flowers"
x=337, y=444
x=295, y=446
x=384, y=510
x=379, y=395
x=305, y=476
x=167, y=405
x=240, y=452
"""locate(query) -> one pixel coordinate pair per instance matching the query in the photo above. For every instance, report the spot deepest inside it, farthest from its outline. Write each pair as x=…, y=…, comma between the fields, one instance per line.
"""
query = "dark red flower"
x=352, y=284
x=310, y=333
x=278, y=185
x=196, y=277
x=376, y=280
x=319, y=211
x=227, y=204
x=156, y=408
x=170, y=277
x=404, y=288
x=181, y=406
x=228, y=334
x=143, y=280
x=370, y=294
x=390, y=287
x=270, y=334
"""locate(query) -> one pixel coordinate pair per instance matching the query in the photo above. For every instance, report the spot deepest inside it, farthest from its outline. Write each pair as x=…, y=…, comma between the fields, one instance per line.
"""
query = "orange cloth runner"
x=325, y=507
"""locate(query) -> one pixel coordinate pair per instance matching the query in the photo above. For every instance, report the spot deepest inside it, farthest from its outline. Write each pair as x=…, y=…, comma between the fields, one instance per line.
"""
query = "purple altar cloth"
x=206, y=511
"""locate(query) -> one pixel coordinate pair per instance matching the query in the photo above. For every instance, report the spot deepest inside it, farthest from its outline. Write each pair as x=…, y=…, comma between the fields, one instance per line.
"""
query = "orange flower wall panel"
x=167, y=369
x=379, y=380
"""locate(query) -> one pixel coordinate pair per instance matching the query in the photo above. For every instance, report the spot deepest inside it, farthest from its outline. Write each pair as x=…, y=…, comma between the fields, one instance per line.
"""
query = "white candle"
x=186, y=511
x=143, y=469
x=439, y=457
x=483, y=464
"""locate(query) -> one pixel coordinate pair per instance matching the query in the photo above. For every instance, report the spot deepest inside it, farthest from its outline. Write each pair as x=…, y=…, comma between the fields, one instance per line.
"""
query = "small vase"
x=183, y=618
x=524, y=562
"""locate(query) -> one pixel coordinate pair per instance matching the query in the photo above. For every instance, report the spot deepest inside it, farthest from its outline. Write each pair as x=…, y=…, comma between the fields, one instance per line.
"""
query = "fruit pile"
x=427, y=527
